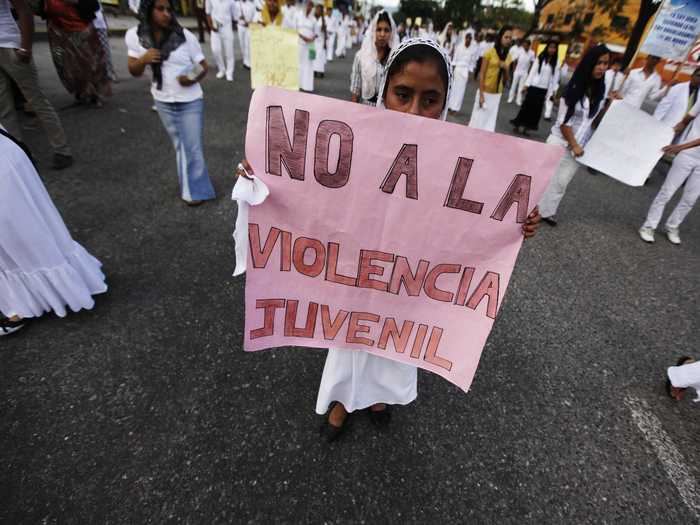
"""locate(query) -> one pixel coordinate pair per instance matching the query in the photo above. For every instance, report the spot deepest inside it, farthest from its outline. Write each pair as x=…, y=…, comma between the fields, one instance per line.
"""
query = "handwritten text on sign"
x=383, y=232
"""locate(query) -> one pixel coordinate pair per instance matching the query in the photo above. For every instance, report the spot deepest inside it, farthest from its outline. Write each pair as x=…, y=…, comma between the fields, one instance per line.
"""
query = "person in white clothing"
x=614, y=77
x=41, y=267
x=524, y=60
x=677, y=100
x=465, y=57
x=418, y=80
x=447, y=39
x=321, y=33
x=641, y=83
x=247, y=17
x=305, y=27
x=220, y=18
x=685, y=169
x=539, y=86
x=685, y=375
x=332, y=32
x=583, y=98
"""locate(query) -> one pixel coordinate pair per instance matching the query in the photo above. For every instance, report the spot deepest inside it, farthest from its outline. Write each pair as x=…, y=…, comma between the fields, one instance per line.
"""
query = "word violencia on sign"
x=383, y=232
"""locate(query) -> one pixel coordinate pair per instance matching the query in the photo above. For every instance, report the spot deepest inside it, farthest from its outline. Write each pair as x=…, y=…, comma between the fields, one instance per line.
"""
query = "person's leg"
x=216, y=50
x=169, y=116
x=8, y=114
x=548, y=107
x=227, y=44
x=241, y=40
x=691, y=192
x=513, y=89
x=519, y=92
x=557, y=186
x=680, y=169
x=26, y=78
x=196, y=176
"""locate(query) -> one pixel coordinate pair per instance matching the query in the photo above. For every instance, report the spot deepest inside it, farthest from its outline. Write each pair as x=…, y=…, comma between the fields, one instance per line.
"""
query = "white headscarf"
x=368, y=55
x=396, y=51
x=443, y=35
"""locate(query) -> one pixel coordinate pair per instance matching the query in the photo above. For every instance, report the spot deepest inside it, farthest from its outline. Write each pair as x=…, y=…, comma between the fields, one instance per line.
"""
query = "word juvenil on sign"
x=383, y=232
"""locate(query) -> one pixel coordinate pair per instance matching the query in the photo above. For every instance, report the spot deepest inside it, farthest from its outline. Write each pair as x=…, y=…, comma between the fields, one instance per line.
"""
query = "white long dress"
x=464, y=62
x=305, y=26
x=41, y=267
x=320, y=60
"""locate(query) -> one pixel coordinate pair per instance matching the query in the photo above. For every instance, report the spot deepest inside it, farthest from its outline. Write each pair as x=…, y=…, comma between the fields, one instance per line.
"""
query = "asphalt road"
x=146, y=409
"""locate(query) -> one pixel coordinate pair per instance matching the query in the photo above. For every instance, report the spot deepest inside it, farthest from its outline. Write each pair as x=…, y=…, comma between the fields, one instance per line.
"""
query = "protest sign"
x=274, y=57
x=627, y=144
x=674, y=30
x=383, y=232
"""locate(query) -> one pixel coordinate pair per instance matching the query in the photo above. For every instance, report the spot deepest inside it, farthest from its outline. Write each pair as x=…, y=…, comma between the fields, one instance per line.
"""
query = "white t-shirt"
x=221, y=11
x=638, y=87
x=693, y=132
x=190, y=52
x=10, y=37
x=525, y=60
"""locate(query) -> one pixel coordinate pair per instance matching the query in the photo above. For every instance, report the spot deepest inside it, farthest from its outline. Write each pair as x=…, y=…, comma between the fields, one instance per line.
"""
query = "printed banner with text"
x=383, y=232
x=674, y=31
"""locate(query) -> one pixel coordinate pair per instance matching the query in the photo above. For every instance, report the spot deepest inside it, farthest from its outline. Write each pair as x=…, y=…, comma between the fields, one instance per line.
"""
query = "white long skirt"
x=359, y=380
x=485, y=118
x=330, y=47
x=320, y=60
x=41, y=267
x=459, y=86
x=306, y=68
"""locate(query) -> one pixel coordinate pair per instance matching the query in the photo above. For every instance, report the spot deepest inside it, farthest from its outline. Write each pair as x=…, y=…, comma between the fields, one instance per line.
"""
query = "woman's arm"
x=138, y=65
x=677, y=148
x=184, y=81
x=568, y=133
x=482, y=80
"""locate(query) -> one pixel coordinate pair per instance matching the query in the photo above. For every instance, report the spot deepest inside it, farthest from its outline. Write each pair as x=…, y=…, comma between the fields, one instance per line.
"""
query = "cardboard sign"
x=383, y=232
x=274, y=57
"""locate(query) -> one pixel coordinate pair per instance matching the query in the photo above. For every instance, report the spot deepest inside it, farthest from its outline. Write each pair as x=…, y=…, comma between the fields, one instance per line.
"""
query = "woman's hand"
x=244, y=169
x=577, y=150
x=672, y=149
x=678, y=128
x=185, y=82
x=482, y=100
x=532, y=224
x=152, y=56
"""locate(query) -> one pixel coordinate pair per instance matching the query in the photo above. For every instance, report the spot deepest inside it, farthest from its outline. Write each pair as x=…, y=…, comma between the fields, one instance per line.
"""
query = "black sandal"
x=330, y=432
x=8, y=327
x=380, y=418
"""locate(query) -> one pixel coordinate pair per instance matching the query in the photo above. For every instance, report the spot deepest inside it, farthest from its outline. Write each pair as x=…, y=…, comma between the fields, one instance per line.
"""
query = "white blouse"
x=190, y=52
x=580, y=122
x=542, y=77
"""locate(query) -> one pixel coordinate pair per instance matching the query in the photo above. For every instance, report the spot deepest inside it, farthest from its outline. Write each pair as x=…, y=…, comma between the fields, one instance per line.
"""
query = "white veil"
x=368, y=55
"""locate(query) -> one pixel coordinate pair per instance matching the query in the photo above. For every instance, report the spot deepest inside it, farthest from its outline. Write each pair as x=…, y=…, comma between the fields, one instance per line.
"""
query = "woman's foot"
x=193, y=203
x=11, y=325
x=336, y=422
x=673, y=391
x=379, y=415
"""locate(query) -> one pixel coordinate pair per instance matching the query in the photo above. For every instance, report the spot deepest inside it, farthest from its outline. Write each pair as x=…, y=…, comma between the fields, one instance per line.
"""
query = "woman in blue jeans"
x=177, y=64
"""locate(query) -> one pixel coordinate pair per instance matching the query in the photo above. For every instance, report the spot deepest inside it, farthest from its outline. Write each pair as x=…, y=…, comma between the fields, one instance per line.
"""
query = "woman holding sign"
x=369, y=63
x=418, y=81
x=578, y=108
x=493, y=75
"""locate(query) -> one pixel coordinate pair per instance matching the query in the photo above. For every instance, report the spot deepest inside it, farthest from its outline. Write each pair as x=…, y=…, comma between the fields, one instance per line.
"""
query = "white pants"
x=485, y=117
x=330, y=46
x=319, y=63
x=340, y=50
x=548, y=107
x=359, y=380
x=222, y=43
x=244, y=41
x=461, y=78
x=516, y=88
x=557, y=185
x=685, y=168
x=306, y=68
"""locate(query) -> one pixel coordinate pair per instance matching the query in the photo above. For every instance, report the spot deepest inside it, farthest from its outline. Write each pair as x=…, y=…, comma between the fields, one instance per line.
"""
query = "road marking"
x=668, y=454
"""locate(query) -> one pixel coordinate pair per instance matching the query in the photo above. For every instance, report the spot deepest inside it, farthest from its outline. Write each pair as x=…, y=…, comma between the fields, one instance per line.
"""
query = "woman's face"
x=468, y=39
x=507, y=39
x=318, y=11
x=601, y=66
x=552, y=50
x=382, y=34
x=162, y=13
x=417, y=89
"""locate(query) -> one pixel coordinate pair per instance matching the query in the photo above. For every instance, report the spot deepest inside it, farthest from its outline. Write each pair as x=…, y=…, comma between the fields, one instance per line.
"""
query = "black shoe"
x=550, y=220
x=8, y=327
x=61, y=161
x=380, y=418
x=330, y=432
x=592, y=171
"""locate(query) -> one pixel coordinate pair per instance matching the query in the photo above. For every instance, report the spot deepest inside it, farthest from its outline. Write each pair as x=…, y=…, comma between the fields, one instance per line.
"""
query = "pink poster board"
x=383, y=232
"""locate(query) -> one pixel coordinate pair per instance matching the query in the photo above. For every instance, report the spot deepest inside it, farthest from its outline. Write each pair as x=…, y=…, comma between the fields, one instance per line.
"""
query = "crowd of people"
x=412, y=70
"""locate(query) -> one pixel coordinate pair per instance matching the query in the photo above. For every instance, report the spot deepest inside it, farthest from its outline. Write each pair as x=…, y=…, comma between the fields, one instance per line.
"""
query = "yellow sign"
x=561, y=52
x=274, y=57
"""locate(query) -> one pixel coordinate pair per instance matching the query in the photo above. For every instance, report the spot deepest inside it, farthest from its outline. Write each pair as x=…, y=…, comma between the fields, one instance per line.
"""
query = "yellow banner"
x=274, y=57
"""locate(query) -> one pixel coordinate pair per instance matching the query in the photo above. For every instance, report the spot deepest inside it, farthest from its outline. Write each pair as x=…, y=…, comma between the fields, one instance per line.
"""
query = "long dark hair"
x=552, y=61
x=172, y=37
x=583, y=84
x=502, y=51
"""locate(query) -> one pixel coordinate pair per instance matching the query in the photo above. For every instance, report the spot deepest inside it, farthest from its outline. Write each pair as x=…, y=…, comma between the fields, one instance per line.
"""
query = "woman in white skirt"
x=41, y=267
x=579, y=106
x=465, y=57
x=370, y=60
x=305, y=26
x=321, y=33
x=493, y=75
x=417, y=80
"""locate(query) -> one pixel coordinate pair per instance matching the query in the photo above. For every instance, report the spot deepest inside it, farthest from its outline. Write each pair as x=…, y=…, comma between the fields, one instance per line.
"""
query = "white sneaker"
x=229, y=78
x=646, y=233
x=220, y=74
x=672, y=235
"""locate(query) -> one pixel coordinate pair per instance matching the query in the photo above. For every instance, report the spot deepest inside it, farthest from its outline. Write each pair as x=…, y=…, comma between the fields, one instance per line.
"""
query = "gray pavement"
x=146, y=409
